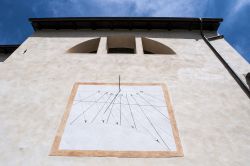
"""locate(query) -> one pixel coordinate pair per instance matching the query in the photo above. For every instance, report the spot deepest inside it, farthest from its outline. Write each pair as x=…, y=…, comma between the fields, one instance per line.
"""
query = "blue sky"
x=15, y=28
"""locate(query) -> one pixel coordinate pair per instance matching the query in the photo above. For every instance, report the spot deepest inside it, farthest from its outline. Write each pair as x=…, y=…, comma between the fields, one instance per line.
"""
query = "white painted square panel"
x=102, y=118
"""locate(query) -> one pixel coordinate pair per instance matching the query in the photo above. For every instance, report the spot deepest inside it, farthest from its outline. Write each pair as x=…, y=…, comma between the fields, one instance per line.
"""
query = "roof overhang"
x=130, y=23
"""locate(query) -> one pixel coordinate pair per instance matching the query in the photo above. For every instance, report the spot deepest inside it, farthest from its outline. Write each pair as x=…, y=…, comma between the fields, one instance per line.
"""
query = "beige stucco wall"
x=211, y=111
x=233, y=58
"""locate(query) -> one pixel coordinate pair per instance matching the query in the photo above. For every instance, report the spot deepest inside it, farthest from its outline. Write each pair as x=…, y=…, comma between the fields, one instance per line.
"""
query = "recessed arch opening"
x=121, y=44
x=89, y=46
x=154, y=47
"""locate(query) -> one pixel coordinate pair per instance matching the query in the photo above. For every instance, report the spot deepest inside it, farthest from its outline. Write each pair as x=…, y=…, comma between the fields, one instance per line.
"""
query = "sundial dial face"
x=130, y=120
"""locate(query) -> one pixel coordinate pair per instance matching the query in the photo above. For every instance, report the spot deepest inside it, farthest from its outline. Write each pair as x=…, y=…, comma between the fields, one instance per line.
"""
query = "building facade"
x=210, y=102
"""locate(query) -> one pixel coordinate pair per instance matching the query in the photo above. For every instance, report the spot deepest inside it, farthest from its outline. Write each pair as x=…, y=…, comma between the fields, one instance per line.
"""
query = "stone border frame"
x=55, y=151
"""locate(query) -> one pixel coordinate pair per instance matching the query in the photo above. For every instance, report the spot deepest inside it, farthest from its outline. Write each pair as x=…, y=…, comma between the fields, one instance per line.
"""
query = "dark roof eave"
x=125, y=23
x=8, y=49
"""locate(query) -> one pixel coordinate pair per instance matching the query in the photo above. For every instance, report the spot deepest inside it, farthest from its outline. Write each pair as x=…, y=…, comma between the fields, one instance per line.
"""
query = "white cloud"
x=182, y=8
x=240, y=4
x=179, y=8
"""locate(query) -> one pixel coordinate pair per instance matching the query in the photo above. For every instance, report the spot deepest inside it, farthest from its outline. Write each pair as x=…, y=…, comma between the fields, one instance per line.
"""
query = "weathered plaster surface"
x=211, y=111
x=233, y=58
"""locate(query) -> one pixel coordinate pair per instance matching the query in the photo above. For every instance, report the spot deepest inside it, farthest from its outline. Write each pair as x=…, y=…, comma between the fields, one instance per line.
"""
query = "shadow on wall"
x=174, y=34
x=7, y=50
x=248, y=80
x=3, y=57
x=154, y=47
x=89, y=46
x=121, y=44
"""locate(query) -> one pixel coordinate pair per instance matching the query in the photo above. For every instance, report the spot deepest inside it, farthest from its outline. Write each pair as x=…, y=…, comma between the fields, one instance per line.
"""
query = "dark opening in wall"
x=147, y=52
x=89, y=46
x=121, y=50
x=154, y=47
x=121, y=44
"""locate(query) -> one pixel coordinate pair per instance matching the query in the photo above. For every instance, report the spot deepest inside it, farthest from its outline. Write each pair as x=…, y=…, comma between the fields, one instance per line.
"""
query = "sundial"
x=118, y=120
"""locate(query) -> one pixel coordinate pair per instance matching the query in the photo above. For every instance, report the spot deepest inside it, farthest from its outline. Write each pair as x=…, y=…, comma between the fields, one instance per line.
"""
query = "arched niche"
x=89, y=46
x=121, y=44
x=154, y=47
